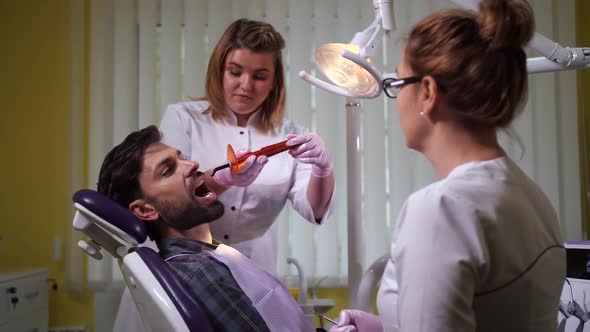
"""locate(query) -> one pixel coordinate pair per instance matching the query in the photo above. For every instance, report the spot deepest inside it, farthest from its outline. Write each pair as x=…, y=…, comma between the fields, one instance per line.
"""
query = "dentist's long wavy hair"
x=477, y=59
x=259, y=37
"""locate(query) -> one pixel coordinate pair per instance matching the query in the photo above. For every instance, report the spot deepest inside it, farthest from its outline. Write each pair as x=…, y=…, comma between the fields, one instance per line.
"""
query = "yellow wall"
x=34, y=144
x=340, y=297
x=583, y=39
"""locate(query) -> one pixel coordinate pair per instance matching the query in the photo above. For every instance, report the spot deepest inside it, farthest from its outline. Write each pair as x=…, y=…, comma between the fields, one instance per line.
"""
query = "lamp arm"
x=559, y=57
x=365, y=40
x=384, y=9
x=383, y=22
x=550, y=49
x=543, y=65
x=567, y=57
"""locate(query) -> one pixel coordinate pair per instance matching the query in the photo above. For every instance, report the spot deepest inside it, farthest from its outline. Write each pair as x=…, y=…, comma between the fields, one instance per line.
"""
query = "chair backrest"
x=163, y=302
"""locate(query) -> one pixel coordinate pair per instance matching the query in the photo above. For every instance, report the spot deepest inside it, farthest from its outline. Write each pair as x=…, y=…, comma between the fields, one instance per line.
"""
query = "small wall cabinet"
x=24, y=300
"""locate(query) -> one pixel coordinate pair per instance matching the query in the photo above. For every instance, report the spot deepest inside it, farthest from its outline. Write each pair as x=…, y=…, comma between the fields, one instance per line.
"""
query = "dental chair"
x=163, y=302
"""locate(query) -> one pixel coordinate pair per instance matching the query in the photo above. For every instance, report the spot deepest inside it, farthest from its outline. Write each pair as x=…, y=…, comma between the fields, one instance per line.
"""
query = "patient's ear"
x=143, y=210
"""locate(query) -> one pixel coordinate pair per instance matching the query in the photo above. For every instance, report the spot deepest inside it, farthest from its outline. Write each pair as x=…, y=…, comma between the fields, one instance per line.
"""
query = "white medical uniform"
x=465, y=251
x=249, y=211
x=248, y=222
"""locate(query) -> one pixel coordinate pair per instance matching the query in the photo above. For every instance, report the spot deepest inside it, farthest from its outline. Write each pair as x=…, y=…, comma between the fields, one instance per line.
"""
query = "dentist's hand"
x=357, y=321
x=244, y=177
x=311, y=151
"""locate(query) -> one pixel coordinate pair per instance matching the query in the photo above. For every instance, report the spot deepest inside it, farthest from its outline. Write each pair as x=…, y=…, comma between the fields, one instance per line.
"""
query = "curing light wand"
x=236, y=164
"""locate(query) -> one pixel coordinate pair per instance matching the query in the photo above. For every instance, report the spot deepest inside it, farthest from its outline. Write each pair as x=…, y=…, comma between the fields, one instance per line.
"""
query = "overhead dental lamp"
x=349, y=67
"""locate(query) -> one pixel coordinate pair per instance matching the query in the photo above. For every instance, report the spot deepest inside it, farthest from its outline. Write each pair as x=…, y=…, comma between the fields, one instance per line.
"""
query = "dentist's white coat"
x=249, y=211
x=463, y=252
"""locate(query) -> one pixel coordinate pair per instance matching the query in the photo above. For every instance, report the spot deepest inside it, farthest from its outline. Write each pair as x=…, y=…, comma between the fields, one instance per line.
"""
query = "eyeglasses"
x=392, y=86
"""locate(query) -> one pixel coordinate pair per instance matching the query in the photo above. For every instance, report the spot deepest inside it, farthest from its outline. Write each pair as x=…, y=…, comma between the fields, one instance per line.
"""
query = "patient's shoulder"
x=186, y=266
x=191, y=259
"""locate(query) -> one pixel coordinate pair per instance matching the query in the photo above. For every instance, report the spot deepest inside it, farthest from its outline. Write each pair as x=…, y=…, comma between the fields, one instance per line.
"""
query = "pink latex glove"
x=245, y=176
x=311, y=151
x=357, y=321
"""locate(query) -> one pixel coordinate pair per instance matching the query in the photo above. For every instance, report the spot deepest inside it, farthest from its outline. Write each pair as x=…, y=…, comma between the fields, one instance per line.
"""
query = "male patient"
x=168, y=192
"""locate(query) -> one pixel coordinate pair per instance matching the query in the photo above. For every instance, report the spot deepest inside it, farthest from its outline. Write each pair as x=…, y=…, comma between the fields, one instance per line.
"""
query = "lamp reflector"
x=343, y=72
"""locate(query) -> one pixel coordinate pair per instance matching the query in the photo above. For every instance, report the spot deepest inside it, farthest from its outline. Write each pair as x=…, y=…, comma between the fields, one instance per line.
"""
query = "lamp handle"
x=336, y=89
x=324, y=85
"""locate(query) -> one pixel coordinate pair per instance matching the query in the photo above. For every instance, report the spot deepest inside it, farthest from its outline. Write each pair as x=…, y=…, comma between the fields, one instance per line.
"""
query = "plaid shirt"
x=226, y=305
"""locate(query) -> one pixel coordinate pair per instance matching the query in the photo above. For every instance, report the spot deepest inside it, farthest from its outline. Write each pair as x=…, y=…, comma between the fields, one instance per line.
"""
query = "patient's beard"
x=184, y=217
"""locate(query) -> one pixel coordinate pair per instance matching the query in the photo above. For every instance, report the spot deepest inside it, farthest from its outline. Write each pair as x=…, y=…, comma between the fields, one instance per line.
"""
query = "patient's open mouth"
x=201, y=190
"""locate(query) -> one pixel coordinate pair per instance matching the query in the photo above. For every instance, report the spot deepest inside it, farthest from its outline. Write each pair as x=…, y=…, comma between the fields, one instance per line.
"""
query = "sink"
x=309, y=305
x=315, y=306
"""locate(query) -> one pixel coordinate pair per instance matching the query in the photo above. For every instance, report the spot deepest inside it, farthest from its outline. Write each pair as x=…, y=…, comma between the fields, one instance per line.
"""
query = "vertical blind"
x=146, y=54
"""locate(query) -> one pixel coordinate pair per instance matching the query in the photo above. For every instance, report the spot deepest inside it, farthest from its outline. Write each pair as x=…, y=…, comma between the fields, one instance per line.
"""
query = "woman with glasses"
x=480, y=249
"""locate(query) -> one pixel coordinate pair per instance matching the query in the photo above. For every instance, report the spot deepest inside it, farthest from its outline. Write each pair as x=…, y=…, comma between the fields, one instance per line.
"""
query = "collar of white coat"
x=233, y=119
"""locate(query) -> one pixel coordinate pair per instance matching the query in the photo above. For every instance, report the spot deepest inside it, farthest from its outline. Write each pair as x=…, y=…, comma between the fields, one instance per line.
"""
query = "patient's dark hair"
x=119, y=175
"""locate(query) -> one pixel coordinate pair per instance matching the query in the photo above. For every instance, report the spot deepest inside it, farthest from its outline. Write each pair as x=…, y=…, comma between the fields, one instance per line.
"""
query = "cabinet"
x=23, y=301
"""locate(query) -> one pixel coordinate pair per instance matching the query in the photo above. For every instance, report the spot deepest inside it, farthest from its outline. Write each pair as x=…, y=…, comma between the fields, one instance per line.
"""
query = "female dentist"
x=480, y=249
x=244, y=106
